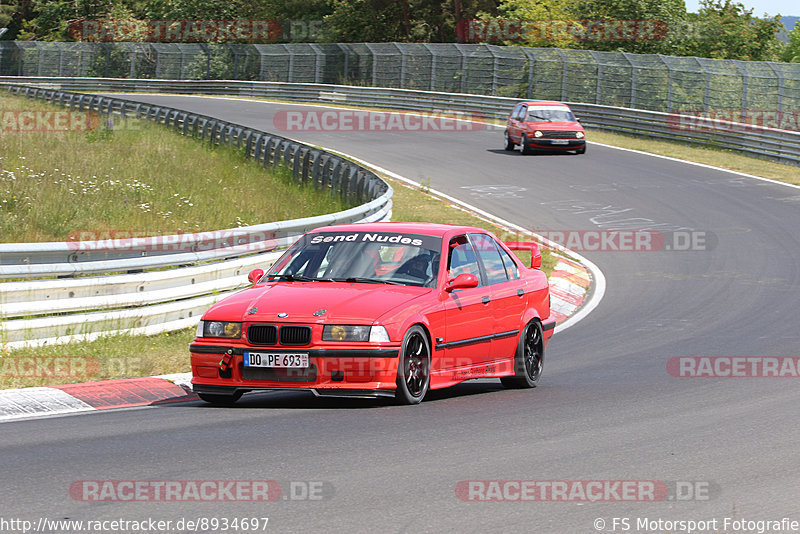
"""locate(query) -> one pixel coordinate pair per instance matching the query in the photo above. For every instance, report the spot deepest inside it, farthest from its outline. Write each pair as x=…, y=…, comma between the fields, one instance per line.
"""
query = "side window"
x=490, y=258
x=523, y=111
x=462, y=258
x=511, y=268
x=515, y=113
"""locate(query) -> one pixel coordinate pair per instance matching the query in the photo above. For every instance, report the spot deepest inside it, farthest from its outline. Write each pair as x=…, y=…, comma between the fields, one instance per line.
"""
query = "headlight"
x=225, y=329
x=342, y=332
x=537, y=133
x=580, y=135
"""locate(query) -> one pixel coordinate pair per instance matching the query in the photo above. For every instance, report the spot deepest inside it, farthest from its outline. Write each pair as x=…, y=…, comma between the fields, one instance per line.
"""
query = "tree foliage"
x=724, y=29
x=792, y=51
x=721, y=29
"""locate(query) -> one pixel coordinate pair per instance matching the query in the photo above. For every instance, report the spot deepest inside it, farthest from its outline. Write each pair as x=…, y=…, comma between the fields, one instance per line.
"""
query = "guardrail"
x=206, y=266
x=155, y=293
x=778, y=145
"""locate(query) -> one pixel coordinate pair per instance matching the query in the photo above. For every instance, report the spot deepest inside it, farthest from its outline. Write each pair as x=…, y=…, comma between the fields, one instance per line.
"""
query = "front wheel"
x=529, y=360
x=525, y=148
x=414, y=367
x=581, y=150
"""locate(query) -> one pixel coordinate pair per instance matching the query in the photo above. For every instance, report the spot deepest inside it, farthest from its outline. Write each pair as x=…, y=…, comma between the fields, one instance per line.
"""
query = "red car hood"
x=544, y=125
x=343, y=302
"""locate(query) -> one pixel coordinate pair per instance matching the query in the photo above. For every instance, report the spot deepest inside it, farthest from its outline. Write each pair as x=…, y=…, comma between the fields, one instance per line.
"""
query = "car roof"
x=433, y=229
x=544, y=103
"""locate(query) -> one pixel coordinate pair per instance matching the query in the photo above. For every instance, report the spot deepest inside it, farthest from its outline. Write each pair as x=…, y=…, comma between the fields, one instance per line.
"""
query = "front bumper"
x=555, y=144
x=341, y=372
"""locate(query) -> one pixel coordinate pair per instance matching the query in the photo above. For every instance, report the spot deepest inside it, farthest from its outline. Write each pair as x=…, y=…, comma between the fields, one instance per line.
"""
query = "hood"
x=344, y=303
x=544, y=125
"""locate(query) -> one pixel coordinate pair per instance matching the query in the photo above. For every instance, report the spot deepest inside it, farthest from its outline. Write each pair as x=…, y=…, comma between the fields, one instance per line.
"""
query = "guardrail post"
x=779, y=75
x=335, y=175
x=531, y=70
x=669, y=82
x=292, y=158
x=745, y=80
x=403, y=60
x=634, y=75
x=598, y=90
x=318, y=161
x=564, y=64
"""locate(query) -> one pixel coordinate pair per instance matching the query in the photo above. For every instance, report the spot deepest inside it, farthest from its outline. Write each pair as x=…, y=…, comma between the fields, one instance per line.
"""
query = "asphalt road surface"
x=607, y=408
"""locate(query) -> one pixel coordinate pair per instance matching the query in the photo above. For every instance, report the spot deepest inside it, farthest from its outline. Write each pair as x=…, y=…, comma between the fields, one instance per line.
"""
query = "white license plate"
x=270, y=359
x=559, y=142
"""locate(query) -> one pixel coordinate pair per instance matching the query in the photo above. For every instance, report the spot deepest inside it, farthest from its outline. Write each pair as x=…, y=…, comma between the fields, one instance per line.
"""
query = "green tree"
x=791, y=53
x=724, y=29
x=654, y=29
x=400, y=20
x=536, y=18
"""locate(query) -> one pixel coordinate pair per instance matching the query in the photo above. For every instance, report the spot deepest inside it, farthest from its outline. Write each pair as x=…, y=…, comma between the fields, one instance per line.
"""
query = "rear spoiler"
x=536, y=254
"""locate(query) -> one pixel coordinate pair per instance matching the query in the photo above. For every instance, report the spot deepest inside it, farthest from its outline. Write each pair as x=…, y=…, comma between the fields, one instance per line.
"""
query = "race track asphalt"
x=607, y=409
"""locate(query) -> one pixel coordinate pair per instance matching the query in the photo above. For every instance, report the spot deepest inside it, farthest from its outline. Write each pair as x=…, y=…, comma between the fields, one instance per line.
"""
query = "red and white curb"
x=569, y=284
x=89, y=396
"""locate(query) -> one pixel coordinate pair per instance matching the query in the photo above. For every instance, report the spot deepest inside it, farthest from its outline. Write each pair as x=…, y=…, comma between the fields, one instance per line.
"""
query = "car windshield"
x=361, y=257
x=551, y=115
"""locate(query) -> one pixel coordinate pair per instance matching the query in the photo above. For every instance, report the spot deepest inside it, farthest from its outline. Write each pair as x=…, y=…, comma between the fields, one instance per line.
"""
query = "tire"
x=529, y=360
x=525, y=149
x=413, y=367
x=581, y=150
x=509, y=143
x=221, y=399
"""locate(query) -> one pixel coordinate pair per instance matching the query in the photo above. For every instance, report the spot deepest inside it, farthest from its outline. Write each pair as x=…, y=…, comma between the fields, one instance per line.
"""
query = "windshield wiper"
x=540, y=118
x=360, y=279
x=298, y=278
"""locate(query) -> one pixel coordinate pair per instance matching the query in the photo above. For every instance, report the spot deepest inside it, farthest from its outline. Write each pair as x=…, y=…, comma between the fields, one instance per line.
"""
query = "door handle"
x=486, y=300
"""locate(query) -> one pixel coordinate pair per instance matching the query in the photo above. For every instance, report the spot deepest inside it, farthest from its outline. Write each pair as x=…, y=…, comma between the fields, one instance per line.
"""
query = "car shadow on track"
x=304, y=400
x=539, y=152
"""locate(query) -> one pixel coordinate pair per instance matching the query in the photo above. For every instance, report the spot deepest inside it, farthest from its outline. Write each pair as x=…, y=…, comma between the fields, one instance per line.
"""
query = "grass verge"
x=138, y=178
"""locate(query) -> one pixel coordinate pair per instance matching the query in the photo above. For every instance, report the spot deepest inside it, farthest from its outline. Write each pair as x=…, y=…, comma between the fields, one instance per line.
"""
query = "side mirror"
x=255, y=275
x=462, y=281
x=577, y=119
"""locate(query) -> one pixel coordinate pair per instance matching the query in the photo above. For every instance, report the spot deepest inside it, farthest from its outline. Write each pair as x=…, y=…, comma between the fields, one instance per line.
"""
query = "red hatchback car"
x=379, y=310
x=546, y=125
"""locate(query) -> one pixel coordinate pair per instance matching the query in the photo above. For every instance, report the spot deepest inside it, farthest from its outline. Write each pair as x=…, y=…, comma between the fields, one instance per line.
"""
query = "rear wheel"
x=509, y=143
x=529, y=360
x=221, y=399
x=414, y=367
